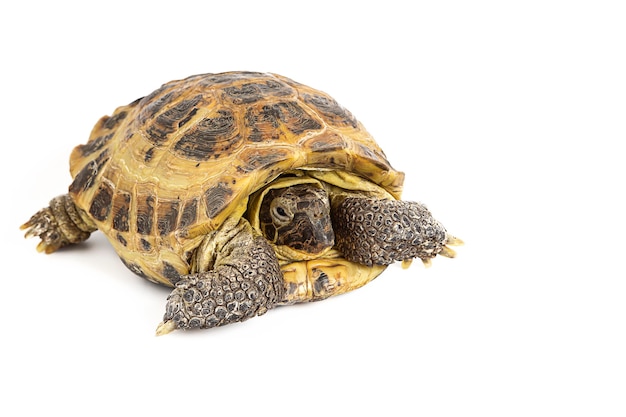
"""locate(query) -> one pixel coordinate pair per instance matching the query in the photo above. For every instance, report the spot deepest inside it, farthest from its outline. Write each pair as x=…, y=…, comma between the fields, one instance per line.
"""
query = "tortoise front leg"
x=378, y=232
x=245, y=281
x=60, y=224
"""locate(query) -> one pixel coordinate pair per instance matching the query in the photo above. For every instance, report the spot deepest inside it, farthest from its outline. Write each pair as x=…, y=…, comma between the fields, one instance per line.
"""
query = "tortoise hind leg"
x=58, y=225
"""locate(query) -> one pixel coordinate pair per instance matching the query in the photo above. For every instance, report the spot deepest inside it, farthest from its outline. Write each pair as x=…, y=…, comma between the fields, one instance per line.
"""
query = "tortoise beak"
x=323, y=233
x=317, y=232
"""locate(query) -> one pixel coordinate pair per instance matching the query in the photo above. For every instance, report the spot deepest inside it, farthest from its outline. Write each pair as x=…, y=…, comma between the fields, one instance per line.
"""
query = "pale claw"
x=165, y=327
x=453, y=241
x=447, y=252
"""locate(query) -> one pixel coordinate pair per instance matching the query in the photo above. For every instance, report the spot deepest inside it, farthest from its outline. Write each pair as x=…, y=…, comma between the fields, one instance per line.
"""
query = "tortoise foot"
x=247, y=283
x=58, y=225
x=379, y=232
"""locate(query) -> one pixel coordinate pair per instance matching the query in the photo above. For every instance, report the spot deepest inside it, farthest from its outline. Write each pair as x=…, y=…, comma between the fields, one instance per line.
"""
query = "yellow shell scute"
x=318, y=279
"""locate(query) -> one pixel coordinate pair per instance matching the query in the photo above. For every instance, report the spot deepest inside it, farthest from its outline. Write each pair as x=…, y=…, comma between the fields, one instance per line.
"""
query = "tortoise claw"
x=165, y=327
x=453, y=241
x=44, y=225
x=58, y=225
x=447, y=252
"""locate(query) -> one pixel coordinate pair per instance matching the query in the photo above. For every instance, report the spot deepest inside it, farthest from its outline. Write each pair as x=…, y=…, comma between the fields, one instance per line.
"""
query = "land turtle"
x=242, y=191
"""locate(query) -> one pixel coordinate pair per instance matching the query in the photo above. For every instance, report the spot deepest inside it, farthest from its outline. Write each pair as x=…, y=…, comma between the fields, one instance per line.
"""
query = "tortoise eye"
x=281, y=215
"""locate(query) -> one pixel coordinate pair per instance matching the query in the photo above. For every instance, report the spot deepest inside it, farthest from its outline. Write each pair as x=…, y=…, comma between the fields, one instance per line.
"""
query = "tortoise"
x=242, y=191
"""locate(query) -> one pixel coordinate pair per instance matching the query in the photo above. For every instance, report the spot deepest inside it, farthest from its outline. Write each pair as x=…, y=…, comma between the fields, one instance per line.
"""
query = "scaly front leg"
x=378, y=232
x=245, y=281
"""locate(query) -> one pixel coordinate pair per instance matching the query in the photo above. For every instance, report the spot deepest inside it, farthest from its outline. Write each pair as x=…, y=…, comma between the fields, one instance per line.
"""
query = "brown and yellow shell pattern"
x=164, y=171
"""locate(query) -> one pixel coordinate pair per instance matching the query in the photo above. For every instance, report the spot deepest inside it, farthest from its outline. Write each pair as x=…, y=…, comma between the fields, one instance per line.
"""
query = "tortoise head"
x=298, y=217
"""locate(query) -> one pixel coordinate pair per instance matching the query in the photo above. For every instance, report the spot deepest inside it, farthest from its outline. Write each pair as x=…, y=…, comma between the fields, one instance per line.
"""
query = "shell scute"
x=262, y=159
x=153, y=104
x=217, y=198
x=295, y=118
x=210, y=136
x=252, y=92
x=145, y=214
x=189, y=214
x=121, y=211
x=95, y=145
x=159, y=128
x=167, y=216
x=262, y=123
x=86, y=177
x=332, y=111
x=101, y=203
x=110, y=123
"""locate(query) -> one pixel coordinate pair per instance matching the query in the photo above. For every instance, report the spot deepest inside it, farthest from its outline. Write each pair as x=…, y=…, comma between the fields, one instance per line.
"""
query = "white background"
x=509, y=121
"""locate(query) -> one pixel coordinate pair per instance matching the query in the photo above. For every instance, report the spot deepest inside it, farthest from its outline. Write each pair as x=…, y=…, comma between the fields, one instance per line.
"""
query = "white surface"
x=508, y=119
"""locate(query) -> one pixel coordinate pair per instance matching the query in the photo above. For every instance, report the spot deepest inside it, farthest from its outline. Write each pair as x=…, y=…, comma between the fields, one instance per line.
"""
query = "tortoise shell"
x=164, y=171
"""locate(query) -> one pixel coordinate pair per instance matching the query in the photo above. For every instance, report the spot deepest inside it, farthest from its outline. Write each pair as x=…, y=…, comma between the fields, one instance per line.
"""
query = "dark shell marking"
x=171, y=120
x=213, y=80
x=261, y=159
x=154, y=104
x=328, y=143
x=86, y=177
x=145, y=214
x=148, y=156
x=167, y=215
x=122, y=240
x=217, y=199
x=136, y=269
x=101, y=203
x=333, y=112
x=112, y=122
x=295, y=118
x=321, y=282
x=171, y=273
x=95, y=145
x=145, y=245
x=262, y=124
x=190, y=213
x=121, y=209
x=211, y=136
x=252, y=92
